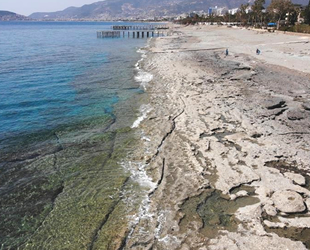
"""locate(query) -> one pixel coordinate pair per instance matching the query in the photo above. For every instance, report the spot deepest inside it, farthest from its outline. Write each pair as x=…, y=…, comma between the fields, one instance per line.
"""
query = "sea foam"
x=142, y=76
x=144, y=110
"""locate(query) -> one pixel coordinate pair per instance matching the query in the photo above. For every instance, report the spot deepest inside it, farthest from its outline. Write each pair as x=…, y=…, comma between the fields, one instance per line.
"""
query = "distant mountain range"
x=135, y=9
x=139, y=9
x=11, y=16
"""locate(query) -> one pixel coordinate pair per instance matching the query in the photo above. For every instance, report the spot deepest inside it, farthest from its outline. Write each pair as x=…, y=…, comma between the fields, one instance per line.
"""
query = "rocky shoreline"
x=227, y=144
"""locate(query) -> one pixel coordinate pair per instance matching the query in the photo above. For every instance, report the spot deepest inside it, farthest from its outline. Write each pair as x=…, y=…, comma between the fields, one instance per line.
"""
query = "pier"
x=139, y=27
x=106, y=34
x=138, y=31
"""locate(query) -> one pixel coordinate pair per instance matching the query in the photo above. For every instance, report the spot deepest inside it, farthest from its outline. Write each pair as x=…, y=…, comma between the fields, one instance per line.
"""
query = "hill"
x=11, y=16
x=139, y=9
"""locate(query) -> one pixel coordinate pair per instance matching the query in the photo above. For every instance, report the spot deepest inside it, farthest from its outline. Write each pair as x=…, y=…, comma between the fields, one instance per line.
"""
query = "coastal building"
x=216, y=11
x=248, y=10
x=182, y=16
x=210, y=11
x=233, y=11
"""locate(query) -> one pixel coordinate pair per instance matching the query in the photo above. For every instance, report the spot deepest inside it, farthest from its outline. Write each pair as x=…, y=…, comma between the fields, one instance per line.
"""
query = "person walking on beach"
x=226, y=52
x=257, y=51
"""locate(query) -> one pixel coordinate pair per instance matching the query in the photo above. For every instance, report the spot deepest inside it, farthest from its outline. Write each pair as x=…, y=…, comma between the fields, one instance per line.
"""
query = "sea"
x=69, y=107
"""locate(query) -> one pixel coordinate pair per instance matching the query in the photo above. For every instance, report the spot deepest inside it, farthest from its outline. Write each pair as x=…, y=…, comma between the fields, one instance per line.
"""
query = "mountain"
x=138, y=9
x=11, y=16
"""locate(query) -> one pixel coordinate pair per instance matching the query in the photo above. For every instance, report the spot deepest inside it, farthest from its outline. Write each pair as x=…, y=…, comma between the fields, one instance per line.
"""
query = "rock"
x=270, y=210
x=308, y=203
x=276, y=112
x=244, y=67
x=295, y=114
x=297, y=222
x=233, y=197
x=297, y=178
x=242, y=193
x=244, y=76
x=288, y=201
x=274, y=224
x=306, y=105
x=274, y=103
x=246, y=241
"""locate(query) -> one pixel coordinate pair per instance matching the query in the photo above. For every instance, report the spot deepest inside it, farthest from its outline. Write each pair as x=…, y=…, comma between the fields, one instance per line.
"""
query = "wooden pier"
x=132, y=34
x=134, y=31
x=108, y=34
x=139, y=27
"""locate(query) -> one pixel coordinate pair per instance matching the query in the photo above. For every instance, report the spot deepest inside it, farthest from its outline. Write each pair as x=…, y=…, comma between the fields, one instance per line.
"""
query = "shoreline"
x=227, y=134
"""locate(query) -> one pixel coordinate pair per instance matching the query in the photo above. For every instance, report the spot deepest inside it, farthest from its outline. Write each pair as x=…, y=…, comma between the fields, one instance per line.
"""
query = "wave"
x=142, y=76
x=144, y=110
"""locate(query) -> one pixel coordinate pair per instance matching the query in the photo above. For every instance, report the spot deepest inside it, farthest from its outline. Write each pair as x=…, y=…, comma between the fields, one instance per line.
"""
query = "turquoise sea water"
x=55, y=73
x=67, y=101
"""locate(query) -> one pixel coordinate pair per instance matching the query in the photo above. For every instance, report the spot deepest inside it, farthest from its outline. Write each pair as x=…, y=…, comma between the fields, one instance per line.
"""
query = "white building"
x=248, y=10
x=233, y=11
x=217, y=11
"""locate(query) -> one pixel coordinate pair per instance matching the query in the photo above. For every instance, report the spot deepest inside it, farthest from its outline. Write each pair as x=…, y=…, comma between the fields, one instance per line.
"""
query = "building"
x=216, y=11
x=233, y=11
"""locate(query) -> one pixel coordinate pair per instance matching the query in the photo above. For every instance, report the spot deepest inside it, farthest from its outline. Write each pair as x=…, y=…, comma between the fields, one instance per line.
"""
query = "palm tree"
x=307, y=14
x=279, y=9
x=257, y=9
x=242, y=13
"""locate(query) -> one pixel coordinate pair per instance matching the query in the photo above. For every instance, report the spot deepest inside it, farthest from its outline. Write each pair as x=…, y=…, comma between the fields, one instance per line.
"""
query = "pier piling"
x=134, y=31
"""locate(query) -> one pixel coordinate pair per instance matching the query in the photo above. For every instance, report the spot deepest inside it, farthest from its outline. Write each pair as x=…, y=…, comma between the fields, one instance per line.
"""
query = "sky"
x=27, y=7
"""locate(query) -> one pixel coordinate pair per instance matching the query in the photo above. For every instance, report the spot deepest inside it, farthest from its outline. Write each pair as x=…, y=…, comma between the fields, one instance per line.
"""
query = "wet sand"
x=226, y=141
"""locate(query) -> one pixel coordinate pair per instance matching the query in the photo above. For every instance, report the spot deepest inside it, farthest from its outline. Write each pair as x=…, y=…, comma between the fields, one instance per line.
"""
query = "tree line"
x=283, y=13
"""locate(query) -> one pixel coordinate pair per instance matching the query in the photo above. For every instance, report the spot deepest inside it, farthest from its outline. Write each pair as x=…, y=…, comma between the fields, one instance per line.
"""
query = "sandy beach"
x=226, y=141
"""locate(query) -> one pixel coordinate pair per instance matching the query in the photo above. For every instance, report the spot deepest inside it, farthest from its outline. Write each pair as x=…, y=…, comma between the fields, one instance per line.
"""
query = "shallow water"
x=67, y=102
x=214, y=211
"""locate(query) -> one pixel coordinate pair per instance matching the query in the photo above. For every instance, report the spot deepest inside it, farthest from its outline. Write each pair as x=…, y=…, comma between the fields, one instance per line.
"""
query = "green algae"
x=213, y=211
x=70, y=195
x=17, y=147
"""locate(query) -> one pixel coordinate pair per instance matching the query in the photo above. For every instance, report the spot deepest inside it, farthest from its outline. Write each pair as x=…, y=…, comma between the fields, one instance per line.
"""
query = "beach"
x=225, y=141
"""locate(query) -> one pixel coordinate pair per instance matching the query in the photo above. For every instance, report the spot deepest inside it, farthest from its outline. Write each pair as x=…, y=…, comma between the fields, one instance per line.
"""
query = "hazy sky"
x=27, y=7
